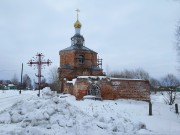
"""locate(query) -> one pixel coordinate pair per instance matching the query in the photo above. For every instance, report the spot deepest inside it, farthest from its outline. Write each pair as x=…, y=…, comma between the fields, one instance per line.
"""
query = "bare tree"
x=141, y=74
x=178, y=34
x=170, y=96
x=54, y=79
x=178, y=42
x=27, y=82
x=14, y=80
x=170, y=82
x=44, y=83
x=123, y=74
x=133, y=74
x=127, y=74
x=154, y=84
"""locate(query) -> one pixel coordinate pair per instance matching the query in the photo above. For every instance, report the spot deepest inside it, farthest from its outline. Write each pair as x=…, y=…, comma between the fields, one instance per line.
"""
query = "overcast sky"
x=127, y=34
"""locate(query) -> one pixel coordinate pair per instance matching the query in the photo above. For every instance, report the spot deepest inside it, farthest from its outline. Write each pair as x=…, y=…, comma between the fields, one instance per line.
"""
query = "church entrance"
x=94, y=90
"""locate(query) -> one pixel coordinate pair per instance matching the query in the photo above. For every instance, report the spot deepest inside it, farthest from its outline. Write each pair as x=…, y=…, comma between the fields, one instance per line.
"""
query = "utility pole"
x=21, y=78
x=38, y=63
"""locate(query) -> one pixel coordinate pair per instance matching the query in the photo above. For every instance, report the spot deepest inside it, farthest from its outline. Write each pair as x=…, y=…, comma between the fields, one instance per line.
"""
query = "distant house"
x=3, y=87
x=12, y=87
x=178, y=89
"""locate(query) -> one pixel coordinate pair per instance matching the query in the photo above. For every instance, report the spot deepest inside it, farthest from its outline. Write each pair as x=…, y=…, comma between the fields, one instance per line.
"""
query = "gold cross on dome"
x=77, y=10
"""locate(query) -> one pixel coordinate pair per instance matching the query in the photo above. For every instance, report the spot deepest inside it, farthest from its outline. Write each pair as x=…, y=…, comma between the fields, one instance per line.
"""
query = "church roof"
x=77, y=48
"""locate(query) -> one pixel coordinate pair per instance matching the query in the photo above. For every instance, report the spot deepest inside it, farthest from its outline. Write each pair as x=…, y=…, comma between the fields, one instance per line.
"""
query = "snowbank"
x=55, y=115
x=51, y=114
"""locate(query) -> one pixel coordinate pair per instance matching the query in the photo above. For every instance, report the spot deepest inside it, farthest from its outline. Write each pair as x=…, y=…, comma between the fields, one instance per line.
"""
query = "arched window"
x=94, y=90
x=81, y=59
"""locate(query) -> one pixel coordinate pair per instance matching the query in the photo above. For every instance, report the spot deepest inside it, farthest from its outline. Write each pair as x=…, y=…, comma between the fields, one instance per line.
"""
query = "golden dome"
x=77, y=24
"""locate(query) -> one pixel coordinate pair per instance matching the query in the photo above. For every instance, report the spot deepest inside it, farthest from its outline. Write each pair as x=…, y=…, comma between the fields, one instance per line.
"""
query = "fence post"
x=150, y=108
x=176, y=108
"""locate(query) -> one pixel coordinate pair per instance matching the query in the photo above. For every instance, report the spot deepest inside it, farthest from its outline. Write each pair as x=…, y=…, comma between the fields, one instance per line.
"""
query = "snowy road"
x=8, y=98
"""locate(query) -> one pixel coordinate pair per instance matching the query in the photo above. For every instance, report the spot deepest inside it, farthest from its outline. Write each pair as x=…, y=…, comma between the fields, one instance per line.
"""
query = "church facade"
x=81, y=74
x=77, y=59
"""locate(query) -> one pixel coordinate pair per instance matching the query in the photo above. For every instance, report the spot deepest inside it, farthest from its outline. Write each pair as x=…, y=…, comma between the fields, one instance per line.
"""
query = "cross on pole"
x=39, y=62
x=77, y=10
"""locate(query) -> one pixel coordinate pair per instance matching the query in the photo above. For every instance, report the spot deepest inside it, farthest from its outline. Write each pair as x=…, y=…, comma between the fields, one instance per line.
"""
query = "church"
x=81, y=74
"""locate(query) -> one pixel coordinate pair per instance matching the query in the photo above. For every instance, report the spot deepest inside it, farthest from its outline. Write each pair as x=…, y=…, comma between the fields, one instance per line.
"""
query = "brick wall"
x=80, y=88
x=114, y=88
x=70, y=58
x=67, y=58
x=68, y=88
x=130, y=89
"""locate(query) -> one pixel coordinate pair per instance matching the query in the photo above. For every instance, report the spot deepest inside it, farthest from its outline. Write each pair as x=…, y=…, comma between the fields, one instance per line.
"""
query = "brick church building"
x=81, y=74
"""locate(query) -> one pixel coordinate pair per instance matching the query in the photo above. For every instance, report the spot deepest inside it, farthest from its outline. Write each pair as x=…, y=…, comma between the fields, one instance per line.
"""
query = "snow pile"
x=54, y=115
x=46, y=92
x=73, y=81
x=51, y=115
x=132, y=116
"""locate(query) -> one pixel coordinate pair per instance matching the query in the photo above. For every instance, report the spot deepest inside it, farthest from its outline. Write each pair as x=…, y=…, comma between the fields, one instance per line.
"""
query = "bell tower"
x=78, y=60
x=77, y=39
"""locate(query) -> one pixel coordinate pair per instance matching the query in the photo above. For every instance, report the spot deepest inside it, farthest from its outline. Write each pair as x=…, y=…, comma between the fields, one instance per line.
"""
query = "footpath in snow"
x=53, y=114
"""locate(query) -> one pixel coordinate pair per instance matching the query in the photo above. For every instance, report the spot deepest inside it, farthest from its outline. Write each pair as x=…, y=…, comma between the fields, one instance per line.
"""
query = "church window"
x=94, y=90
x=81, y=59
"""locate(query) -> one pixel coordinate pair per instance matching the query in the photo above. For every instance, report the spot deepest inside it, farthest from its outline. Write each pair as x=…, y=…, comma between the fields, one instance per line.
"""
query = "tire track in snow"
x=7, y=97
x=11, y=100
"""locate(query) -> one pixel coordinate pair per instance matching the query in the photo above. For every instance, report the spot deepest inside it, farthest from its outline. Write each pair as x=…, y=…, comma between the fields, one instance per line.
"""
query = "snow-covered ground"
x=53, y=114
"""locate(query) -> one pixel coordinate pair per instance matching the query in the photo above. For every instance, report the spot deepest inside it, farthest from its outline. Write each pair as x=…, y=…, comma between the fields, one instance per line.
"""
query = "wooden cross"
x=77, y=10
x=39, y=62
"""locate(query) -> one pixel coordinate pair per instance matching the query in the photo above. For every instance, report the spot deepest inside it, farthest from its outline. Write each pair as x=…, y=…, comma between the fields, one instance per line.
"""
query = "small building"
x=3, y=87
x=12, y=87
x=178, y=89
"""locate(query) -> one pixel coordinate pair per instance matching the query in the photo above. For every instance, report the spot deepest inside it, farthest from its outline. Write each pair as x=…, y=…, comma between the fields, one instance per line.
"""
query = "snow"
x=93, y=77
x=105, y=77
x=73, y=81
x=89, y=96
x=101, y=77
x=8, y=97
x=10, y=85
x=51, y=114
x=112, y=78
